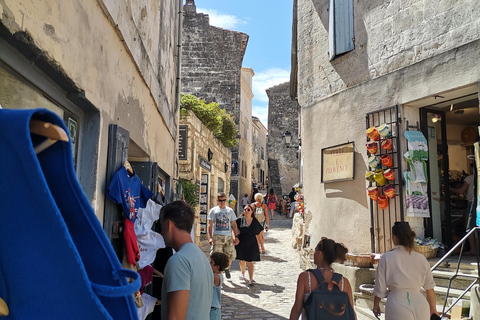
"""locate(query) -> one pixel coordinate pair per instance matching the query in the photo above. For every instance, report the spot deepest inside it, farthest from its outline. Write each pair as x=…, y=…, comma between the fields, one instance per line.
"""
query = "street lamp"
x=287, y=136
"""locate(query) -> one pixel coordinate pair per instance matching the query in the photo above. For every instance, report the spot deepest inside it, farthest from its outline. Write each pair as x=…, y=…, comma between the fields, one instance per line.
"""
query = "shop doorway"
x=450, y=127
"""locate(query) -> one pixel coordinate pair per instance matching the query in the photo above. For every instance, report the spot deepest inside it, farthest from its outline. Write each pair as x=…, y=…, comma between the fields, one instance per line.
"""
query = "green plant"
x=189, y=192
x=220, y=123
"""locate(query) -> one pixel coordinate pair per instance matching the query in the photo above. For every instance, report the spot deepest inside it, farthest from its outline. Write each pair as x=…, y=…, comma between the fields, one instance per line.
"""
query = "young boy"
x=218, y=262
x=245, y=200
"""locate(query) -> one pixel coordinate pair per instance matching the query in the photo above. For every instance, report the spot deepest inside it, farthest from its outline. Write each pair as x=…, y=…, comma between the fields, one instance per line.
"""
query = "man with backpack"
x=322, y=293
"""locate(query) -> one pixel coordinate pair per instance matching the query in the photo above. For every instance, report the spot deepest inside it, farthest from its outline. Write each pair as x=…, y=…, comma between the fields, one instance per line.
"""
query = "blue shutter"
x=340, y=27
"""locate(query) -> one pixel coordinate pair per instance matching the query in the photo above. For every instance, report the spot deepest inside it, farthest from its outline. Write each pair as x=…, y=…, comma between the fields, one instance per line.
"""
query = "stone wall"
x=212, y=61
x=389, y=35
x=404, y=53
x=103, y=57
x=283, y=164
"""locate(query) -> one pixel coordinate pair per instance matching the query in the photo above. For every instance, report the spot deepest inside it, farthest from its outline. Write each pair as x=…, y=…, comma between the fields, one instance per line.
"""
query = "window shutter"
x=340, y=27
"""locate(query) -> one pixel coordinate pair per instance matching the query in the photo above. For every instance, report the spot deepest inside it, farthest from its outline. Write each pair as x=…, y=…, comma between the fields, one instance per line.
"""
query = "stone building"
x=206, y=163
x=245, y=142
x=283, y=161
x=110, y=70
x=211, y=70
x=259, y=162
x=413, y=67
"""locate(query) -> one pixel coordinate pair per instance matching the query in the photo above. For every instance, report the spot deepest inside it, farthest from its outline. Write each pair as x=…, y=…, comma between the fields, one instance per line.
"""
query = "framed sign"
x=182, y=142
x=338, y=162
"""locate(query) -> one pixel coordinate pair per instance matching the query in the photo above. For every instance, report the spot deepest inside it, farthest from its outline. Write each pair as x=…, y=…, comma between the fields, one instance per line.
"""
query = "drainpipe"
x=179, y=55
x=178, y=78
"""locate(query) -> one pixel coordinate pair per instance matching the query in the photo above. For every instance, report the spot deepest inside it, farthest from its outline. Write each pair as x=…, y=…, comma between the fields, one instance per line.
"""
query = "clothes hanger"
x=128, y=166
x=3, y=308
x=157, y=273
x=51, y=131
x=160, y=190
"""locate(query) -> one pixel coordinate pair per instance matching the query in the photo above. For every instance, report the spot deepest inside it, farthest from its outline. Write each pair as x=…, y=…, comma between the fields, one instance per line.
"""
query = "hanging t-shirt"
x=129, y=192
x=146, y=217
x=222, y=220
x=148, y=244
x=148, y=306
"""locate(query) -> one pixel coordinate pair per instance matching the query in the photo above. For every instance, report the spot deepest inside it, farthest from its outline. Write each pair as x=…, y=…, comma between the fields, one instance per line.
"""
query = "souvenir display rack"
x=382, y=220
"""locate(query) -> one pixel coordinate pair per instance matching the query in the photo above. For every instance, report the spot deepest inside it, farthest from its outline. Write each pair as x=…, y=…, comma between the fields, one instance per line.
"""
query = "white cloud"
x=222, y=20
x=261, y=112
x=266, y=79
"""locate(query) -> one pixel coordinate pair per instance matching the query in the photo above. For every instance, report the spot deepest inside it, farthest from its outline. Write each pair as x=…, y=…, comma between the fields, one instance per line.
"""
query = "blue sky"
x=269, y=26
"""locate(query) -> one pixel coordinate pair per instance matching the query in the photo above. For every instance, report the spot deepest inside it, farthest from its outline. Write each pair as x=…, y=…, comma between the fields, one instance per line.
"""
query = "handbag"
x=55, y=260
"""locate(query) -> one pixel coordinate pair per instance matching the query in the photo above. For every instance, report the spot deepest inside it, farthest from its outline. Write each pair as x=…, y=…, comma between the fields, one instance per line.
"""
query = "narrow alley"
x=276, y=279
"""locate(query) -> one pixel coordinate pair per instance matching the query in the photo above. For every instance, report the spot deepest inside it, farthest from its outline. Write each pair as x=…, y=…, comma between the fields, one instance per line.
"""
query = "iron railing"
x=475, y=278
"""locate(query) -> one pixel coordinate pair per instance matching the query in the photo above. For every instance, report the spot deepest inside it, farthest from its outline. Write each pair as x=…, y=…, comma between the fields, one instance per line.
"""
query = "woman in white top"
x=404, y=271
x=327, y=252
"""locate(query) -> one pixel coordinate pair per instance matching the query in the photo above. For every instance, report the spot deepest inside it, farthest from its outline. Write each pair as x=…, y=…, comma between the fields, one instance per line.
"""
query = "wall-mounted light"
x=287, y=137
x=210, y=154
x=225, y=167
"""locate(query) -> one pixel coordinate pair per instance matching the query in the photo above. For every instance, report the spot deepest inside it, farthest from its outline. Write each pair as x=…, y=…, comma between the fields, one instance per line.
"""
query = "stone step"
x=441, y=293
x=462, y=281
x=366, y=314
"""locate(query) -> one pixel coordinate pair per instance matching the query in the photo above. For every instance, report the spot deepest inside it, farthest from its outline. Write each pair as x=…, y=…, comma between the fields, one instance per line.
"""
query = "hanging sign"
x=182, y=142
x=338, y=162
x=205, y=164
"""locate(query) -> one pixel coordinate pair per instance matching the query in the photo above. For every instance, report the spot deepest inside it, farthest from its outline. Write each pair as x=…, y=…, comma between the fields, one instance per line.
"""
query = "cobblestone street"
x=276, y=275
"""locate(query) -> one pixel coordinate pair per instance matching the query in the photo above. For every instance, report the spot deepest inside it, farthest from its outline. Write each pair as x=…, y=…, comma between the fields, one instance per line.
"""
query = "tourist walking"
x=187, y=285
x=261, y=214
x=247, y=248
x=404, y=271
x=327, y=252
x=218, y=262
x=293, y=202
x=222, y=228
x=272, y=202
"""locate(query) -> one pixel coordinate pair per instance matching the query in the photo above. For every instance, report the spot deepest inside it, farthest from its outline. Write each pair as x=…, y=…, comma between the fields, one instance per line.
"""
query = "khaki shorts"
x=224, y=244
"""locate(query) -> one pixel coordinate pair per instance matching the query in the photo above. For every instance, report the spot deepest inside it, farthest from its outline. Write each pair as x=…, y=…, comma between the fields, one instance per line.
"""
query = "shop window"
x=221, y=185
x=340, y=28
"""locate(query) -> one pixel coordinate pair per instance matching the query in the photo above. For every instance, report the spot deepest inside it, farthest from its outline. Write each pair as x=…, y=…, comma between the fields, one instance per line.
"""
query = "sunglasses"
x=247, y=209
x=222, y=200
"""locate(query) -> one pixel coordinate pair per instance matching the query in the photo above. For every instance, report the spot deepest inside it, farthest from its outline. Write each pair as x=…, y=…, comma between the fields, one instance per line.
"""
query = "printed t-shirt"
x=129, y=192
x=189, y=269
x=222, y=220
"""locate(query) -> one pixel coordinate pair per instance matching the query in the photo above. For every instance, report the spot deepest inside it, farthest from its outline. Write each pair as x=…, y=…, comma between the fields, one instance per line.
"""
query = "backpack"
x=271, y=199
x=328, y=301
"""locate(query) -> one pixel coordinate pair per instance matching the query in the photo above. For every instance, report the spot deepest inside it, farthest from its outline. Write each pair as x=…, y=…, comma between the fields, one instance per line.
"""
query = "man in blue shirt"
x=188, y=278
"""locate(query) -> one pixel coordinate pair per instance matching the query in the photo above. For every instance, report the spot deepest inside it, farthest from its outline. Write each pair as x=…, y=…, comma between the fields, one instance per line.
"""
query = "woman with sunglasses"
x=326, y=253
x=247, y=248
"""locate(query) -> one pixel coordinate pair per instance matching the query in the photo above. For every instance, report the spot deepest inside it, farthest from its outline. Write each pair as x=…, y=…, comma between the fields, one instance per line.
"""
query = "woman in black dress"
x=247, y=248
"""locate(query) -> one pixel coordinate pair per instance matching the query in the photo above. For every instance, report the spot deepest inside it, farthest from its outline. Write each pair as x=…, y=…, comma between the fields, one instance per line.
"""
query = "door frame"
x=428, y=224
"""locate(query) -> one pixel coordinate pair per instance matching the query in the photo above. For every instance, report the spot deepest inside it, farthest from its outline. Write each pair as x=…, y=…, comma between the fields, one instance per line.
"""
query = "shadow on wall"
x=356, y=60
x=354, y=190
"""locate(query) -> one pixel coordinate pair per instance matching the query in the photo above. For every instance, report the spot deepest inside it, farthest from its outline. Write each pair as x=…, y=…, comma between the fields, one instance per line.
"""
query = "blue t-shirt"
x=222, y=220
x=129, y=192
x=189, y=269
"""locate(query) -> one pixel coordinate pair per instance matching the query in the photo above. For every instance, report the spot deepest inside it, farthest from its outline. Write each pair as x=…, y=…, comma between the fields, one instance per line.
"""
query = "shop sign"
x=182, y=142
x=205, y=164
x=338, y=162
